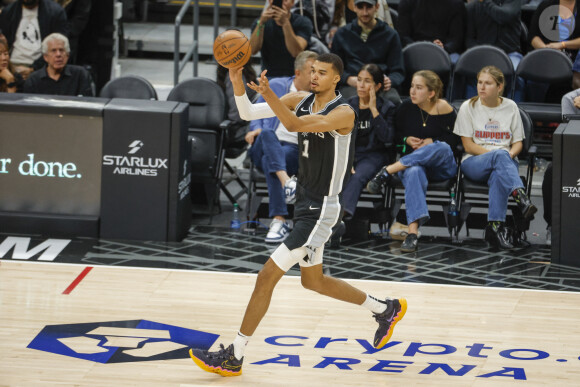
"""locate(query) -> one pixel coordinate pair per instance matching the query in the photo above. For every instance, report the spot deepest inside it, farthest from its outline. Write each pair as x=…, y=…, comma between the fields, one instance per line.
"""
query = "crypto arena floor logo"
x=121, y=341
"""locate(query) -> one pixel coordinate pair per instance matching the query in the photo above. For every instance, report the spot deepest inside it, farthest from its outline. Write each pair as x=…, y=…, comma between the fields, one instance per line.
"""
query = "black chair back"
x=129, y=86
x=206, y=112
x=207, y=102
x=472, y=61
x=546, y=66
x=528, y=131
x=425, y=56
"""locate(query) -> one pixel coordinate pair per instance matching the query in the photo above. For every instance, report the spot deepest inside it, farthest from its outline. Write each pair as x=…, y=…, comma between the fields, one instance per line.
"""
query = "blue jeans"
x=366, y=166
x=500, y=172
x=433, y=162
x=270, y=155
x=518, y=96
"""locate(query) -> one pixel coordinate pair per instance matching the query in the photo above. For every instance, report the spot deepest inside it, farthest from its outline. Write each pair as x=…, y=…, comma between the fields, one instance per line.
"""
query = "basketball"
x=232, y=49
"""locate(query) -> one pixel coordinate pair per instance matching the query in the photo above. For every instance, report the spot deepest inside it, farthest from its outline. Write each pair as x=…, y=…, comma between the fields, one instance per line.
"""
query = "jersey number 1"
x=305, y=148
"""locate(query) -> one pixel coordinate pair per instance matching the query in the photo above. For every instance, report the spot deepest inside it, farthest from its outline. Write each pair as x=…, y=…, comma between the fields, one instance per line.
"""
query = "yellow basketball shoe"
x=396, y=309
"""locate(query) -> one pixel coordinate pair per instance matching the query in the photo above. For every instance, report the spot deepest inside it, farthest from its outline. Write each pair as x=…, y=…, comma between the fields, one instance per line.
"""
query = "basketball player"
x=325, y=122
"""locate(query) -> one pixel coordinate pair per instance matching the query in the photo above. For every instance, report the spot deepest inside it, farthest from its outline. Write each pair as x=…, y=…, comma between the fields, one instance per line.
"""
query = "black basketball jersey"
x=325, y=158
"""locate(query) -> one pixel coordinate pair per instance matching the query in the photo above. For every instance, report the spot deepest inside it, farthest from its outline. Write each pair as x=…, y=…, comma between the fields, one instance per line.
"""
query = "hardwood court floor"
x=484, y=336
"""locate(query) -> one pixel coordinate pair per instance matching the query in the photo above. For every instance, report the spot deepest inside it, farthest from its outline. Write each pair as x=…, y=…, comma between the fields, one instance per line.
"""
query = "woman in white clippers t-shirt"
x=492, y=132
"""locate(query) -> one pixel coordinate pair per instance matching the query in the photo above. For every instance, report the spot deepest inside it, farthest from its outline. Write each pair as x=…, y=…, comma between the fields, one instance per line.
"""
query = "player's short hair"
x=334, y=60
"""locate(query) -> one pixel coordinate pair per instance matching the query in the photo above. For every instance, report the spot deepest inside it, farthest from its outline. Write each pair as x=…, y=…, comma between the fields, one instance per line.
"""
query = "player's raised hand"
x=236, y=74
x=263, y=85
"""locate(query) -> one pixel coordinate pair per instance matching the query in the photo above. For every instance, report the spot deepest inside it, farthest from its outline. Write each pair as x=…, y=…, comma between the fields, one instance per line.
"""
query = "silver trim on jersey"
x=339, y=169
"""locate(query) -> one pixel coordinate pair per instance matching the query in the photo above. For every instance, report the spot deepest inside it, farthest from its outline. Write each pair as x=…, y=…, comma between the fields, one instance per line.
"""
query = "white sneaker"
x=549, y=236
x=278, y=231
x=400, y=231
x=290, y=190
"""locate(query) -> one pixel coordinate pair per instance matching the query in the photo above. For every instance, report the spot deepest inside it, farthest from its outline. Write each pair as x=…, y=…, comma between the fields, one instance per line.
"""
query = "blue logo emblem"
x=121, y=341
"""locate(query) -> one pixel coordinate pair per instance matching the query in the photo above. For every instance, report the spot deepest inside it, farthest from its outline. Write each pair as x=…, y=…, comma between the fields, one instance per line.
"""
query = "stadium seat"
x=426, y=56
x=129, y=86
x=473, y=60
x=207, y=112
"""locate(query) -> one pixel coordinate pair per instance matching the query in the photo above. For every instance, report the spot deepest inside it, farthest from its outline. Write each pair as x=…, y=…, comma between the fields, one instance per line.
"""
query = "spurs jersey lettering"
x=325, y=157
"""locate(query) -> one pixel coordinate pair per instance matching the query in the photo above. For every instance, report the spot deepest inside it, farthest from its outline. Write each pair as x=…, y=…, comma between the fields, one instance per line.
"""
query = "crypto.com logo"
x=135, y=146
x=121, y=341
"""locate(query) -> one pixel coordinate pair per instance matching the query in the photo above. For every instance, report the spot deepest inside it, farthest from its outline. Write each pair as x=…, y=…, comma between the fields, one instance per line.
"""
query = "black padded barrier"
x=566, y=194
x=94, y=167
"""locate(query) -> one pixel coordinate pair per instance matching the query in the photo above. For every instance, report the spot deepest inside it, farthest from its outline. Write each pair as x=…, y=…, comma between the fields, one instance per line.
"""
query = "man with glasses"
x=369, y=40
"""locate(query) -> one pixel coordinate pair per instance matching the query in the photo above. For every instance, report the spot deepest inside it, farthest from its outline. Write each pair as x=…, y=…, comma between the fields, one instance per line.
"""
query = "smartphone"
x=277, y=3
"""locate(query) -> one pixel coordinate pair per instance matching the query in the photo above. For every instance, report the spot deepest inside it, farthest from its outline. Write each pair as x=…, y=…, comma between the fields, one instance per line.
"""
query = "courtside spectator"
x=369, y=40
x=441, y=22
x=492, y=134
x=571, y=103
x=344, y=14
x=567, y=37
x=497, y=23
x=58, y=77
x=77, y=14
x=25, y=23
x=280, y=35
x=375, y=130
x=10, y=81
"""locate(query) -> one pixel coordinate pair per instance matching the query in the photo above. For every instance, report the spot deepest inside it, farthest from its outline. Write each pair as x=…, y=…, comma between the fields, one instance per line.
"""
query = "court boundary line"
x=289, y=276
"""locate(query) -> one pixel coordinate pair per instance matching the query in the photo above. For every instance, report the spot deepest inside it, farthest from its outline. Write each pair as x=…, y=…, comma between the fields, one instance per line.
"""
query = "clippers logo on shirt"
x=492, y=133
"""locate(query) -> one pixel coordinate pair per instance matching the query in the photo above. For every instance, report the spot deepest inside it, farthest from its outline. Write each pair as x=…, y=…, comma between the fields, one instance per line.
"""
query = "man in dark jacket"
x=497, y=23
x=77, y=14
x=441, y=22
x=25, y=23
x=369, y=40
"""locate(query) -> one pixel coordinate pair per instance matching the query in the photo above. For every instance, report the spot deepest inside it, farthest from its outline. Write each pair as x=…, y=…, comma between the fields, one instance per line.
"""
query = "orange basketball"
x=232, y=49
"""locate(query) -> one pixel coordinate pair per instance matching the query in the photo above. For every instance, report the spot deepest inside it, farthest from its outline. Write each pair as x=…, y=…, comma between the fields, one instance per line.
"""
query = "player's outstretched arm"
x=247, y=110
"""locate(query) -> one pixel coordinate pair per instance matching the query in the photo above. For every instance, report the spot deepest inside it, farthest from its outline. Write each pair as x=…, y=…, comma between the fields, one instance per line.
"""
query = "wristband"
x=11, y=85
x=404, y=144
x=258, y=28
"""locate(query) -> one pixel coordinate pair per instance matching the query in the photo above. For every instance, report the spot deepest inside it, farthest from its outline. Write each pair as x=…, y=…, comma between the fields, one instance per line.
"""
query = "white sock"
x=374, y=305
x=240, y=343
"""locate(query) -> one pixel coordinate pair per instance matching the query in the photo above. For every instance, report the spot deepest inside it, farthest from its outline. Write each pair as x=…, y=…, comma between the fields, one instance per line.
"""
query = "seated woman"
x=10, y=81
x=424, y=126
x=374, y=131
x=491, y=130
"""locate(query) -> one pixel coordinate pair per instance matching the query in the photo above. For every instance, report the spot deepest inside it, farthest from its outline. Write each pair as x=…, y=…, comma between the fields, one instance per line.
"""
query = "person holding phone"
x=280, y=35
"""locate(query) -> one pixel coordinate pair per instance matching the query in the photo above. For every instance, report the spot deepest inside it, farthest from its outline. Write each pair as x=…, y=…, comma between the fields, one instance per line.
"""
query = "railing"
x=193, y=51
